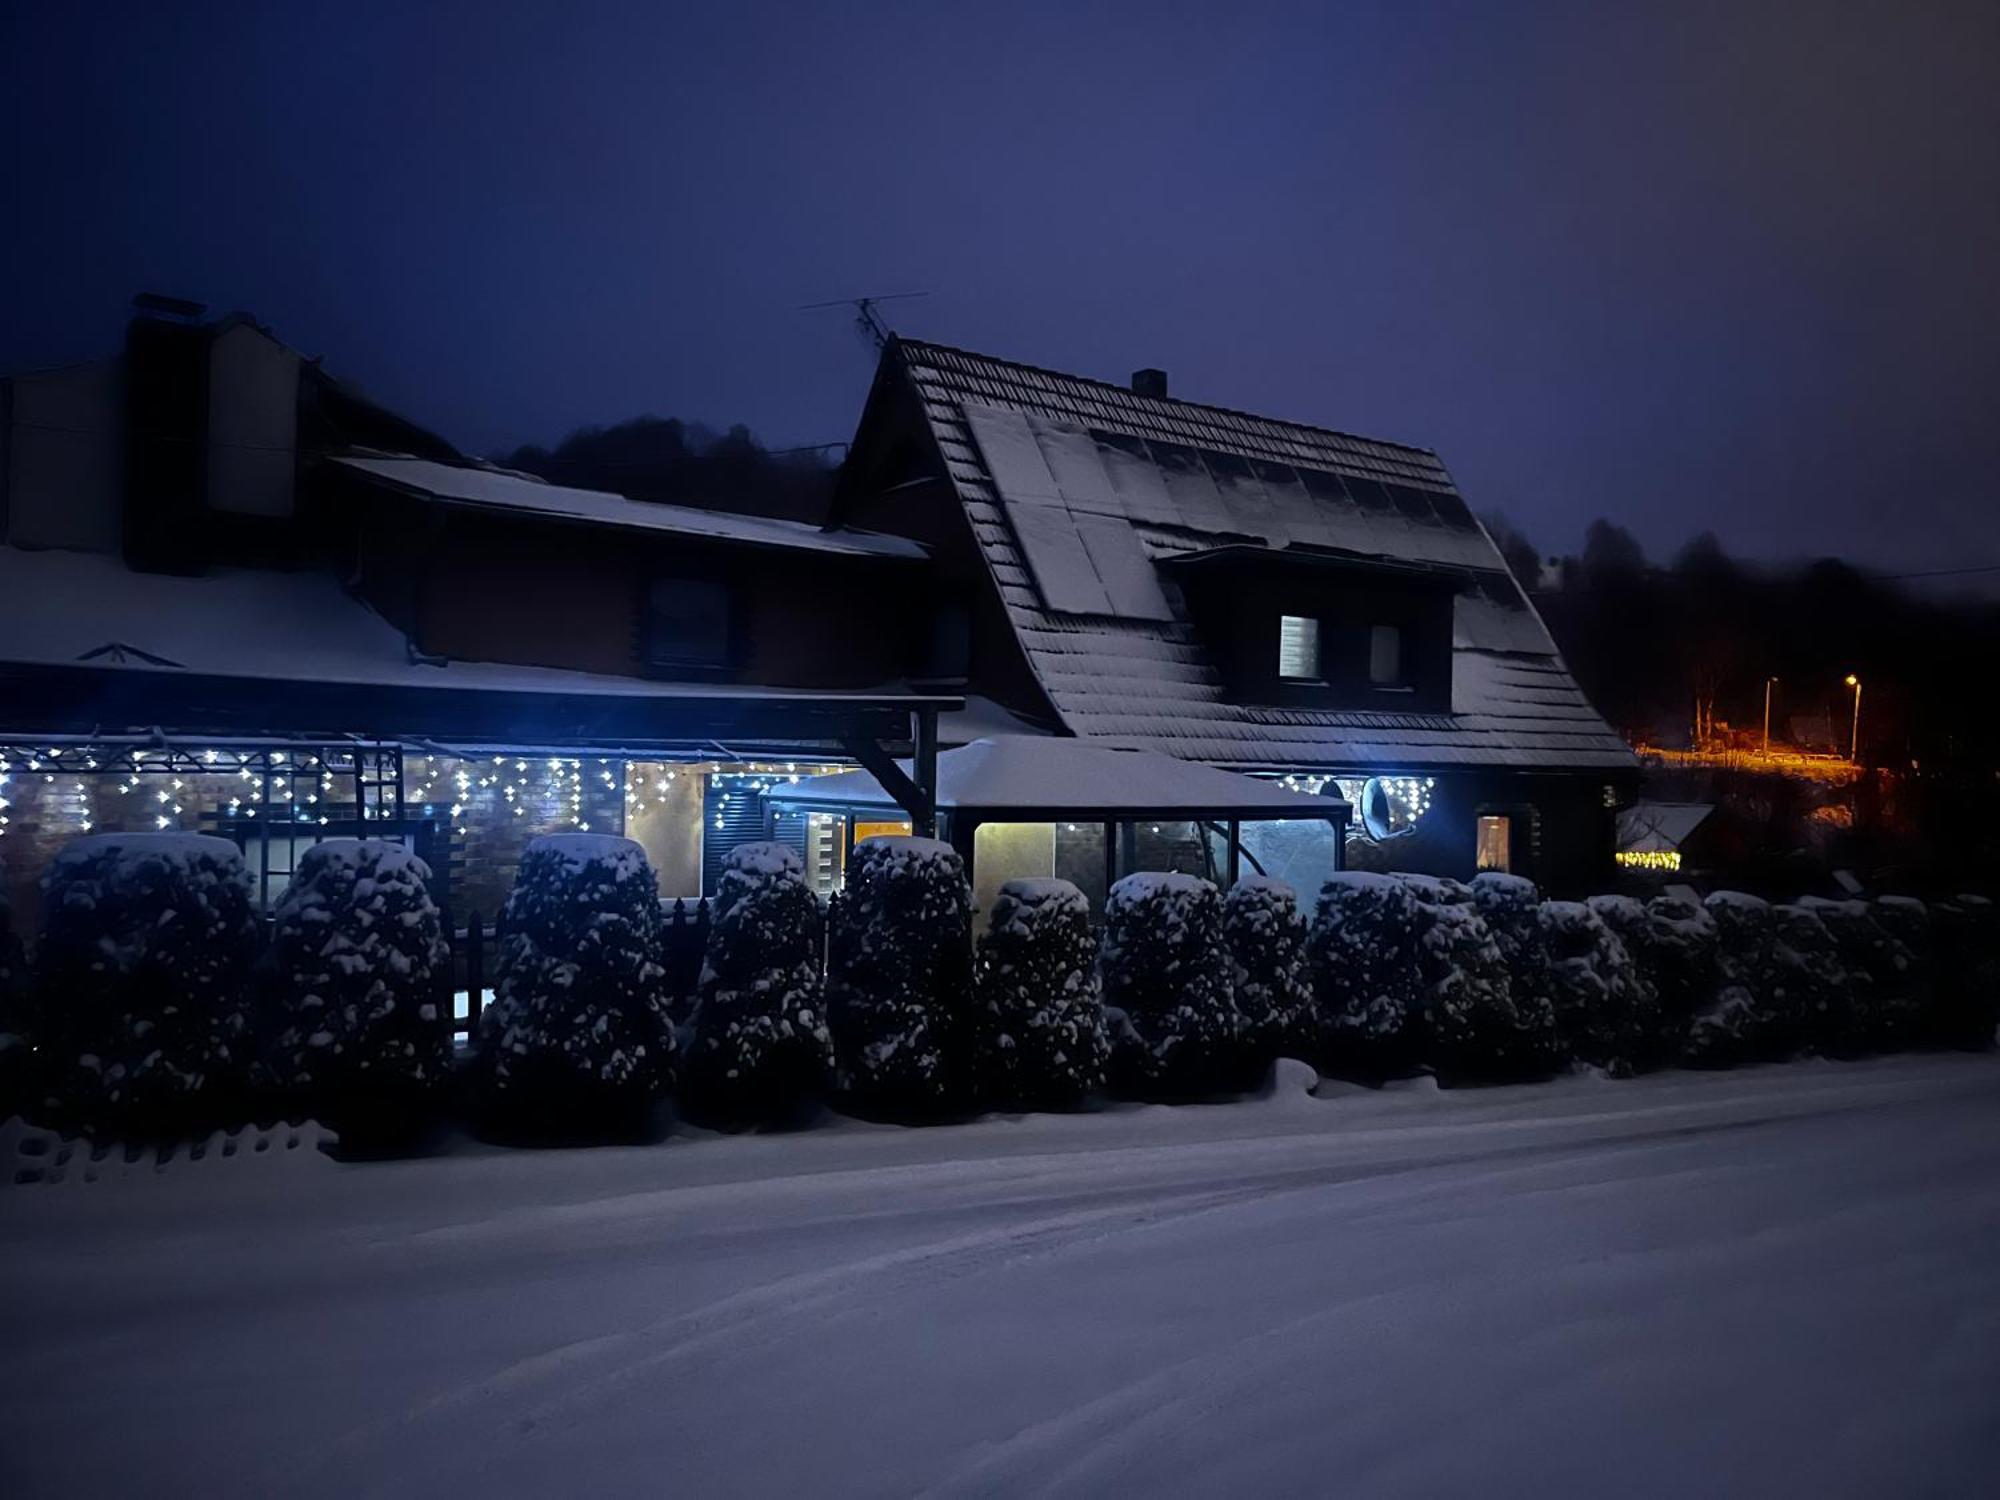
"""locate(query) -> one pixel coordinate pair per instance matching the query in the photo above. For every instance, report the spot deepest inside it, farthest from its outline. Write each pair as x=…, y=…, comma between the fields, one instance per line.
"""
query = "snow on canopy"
x=1076, y=488
x=1051, y=773
x=488, y=488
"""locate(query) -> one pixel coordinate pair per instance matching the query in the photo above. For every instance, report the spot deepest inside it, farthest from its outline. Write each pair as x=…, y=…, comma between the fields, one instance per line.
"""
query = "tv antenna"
x=868, y=321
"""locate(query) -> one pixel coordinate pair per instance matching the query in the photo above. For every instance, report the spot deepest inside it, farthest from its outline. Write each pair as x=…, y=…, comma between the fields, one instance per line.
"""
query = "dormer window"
x=1385, y=656
x=1298, y=648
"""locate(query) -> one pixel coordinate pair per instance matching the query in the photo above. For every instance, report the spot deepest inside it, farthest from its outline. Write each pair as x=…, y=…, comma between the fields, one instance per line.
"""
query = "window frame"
x=1317, y=676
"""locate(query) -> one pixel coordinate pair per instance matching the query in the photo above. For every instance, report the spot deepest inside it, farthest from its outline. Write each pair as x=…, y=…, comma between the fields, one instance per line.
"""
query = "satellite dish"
x=1375, y=813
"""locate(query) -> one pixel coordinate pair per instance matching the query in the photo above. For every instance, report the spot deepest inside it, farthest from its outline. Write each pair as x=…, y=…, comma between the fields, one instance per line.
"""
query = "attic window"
x=1385, y=656
x=1298, y=648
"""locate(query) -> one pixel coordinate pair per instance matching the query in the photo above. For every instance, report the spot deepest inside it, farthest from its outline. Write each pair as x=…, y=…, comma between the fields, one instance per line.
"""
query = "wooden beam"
x=911, y=797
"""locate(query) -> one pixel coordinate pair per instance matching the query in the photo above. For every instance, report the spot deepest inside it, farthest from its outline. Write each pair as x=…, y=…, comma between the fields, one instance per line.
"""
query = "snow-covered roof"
x=1076, y=489
x=1659, y=827
x=1063, y=776
x=88, y=609
x=488, y=488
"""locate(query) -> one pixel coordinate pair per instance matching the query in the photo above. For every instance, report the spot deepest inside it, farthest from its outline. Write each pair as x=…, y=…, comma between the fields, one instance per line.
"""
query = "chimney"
x=1150, y=382
x=166, y=434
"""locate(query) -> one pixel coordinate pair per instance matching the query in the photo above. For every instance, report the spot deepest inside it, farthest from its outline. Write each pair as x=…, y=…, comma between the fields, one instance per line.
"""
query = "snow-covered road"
x=1784, y=1281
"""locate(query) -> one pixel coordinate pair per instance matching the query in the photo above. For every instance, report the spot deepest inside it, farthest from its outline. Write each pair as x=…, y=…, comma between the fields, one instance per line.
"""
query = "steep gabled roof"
x=1075, y=488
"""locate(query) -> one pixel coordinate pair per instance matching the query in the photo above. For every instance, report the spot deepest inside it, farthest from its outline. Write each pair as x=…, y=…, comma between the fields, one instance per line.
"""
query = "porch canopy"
x=1053, y=778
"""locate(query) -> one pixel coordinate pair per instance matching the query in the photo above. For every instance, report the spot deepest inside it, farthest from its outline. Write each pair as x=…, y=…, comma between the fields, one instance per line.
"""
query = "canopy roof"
x=1033, y=777
x=1659, y=827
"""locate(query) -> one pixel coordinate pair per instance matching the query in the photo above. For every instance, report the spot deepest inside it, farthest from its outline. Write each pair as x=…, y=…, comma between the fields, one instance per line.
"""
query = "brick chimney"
x=1150, y=382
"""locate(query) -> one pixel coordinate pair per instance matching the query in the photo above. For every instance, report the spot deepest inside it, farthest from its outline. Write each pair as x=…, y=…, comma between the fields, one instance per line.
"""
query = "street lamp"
x=1767, y=713
x=1854, y=743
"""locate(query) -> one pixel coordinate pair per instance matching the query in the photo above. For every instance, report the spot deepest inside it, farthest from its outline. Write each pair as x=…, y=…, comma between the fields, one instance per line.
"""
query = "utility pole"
x=1767, y=713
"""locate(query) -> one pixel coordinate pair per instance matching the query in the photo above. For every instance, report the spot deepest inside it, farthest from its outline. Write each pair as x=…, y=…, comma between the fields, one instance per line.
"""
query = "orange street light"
x=1854, y=743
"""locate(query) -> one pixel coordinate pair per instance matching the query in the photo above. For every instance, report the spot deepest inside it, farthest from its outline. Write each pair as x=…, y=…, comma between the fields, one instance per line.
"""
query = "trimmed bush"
x=1512, y=907
x=1673, y=941
x=1174, y=1028
x=899, y=976
x=1810, y=984
x=1883, y=975
x=143, y=966
x=1966, y=1002
x=760, y=1046
x=1606, y=1013
x=577, y=1039
x=1361, y=954
x=1744, y=1020
x=356, y=955
x=1038, y=1036
x=1477, y=1034
x=1266, y=937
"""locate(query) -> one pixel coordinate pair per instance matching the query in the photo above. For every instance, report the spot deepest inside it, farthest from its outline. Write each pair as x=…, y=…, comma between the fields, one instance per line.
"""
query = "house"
x=1251, y=593
x=238, y=596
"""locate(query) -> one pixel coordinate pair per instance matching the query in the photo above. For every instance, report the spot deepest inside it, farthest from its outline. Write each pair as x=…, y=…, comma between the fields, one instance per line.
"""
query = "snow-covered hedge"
x=1810, y=983
x=1744, y=1020
x=1477, y=1033
x=357, y=954
x=143, y=965
x=1266, y=937
x=1606, y=1012
x=760, y=1045
x=1512, y=907
x=899, y=976
x=1038, y=1037
x=577, y=1037
x=1884, y=977
x=1174, y=1028
x=1673, y=941
x=1367, y=994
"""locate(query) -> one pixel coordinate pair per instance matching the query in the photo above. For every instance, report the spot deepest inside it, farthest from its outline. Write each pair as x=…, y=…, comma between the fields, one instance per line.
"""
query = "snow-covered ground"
x=1781, y=1281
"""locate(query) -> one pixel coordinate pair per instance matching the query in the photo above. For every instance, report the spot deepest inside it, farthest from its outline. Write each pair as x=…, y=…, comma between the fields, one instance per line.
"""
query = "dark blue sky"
x=1733, y=266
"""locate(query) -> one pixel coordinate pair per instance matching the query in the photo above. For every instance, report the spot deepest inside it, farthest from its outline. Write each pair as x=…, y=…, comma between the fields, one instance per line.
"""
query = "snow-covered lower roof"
x=1076, y=489
x=1063, y=777
x=1659, y=827
x=522, y=494
x=88, y=609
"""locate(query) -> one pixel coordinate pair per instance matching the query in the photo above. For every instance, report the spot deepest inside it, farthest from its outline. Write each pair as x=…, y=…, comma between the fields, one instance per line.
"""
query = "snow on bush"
x=1745, y=1020
x=1606, y=1012
x=143, y=966
x=1476, y=1032
x=1038, y=1037
x=1367, y=994
x=1174, y=1028
x=899, y=975
x=760, y=1045
x=1810, y=984
x=1512, y=907
x=357, y=953
x=1966, y=997
x=1883, y=976
x=1435, y=890
x=1672, y=939
x=577, y=1036
x=1266, y=938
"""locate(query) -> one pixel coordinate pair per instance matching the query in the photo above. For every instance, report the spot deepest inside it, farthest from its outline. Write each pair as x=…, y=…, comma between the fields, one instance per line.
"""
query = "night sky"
x=1731, y=266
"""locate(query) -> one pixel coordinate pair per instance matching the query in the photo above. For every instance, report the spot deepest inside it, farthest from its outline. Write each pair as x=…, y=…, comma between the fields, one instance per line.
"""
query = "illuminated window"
x=1494, y=843
x=1385, y=655
x=1298, y=648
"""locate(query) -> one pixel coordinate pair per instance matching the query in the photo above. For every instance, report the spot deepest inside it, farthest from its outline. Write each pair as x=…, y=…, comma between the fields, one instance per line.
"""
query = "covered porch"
x=1024, y=805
